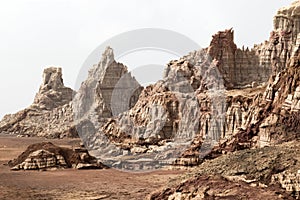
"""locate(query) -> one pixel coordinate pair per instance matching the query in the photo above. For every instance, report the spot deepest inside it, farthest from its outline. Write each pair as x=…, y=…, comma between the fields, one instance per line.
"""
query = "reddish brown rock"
x=47, y=156
x=239, y=67
x=216, y=187
x=250, y=174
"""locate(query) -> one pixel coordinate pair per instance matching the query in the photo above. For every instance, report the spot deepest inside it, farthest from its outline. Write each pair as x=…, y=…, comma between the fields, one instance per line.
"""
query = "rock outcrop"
x=239, y=67
x=210, y=102
x=52, y=92
x=244, y=117
x=277, y=51
x=263, y=170
x=259, y=117
x=166, y=117
x=108, y=91
x=54, y=110
x=51, y=113
x=271, y=114
x=107, y=82
x=221, y=66
x=47, y=156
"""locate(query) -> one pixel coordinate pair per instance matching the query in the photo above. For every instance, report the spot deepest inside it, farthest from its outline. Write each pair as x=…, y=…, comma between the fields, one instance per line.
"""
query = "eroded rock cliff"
x=107, y=81
x=55, y=114
x=239, y=67
x=259, y=108
x=210, y=102
x=264, y=116
x=108, y=91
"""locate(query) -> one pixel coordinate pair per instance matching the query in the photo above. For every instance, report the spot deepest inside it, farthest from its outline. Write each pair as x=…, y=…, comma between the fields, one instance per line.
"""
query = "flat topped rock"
x=45, y=156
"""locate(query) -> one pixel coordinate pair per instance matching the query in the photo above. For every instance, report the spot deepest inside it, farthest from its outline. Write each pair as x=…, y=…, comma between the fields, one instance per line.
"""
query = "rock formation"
x=275, y=113
x=52, y=92
x=108, y=81
x=239, y=67
x=53, y=111
x=217, y=187
x=108, y=91
x=259, y=108
x=210, y=102
x=266, y=115
x=111, y=109
x=50, y=115
x=269, y=171
x=47, y=156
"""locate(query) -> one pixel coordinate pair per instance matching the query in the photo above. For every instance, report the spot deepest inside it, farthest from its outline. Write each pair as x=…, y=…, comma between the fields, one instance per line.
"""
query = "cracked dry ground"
x=70, y=183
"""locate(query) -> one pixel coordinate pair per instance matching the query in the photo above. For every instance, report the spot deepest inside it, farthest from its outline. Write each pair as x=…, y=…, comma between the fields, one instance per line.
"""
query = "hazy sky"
x=35, y=34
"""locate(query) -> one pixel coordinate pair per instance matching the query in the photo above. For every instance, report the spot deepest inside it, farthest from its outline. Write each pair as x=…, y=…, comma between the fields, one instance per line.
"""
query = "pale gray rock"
x=52, y=92
x=51, y=113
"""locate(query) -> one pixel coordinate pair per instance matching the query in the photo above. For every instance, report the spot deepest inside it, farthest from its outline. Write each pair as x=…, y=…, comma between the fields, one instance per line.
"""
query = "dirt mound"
x=217, y=187
x=241, y=175
x=45, y=155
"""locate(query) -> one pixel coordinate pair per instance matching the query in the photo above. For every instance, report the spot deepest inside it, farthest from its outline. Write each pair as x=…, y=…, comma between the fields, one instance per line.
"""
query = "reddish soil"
x=71, y=183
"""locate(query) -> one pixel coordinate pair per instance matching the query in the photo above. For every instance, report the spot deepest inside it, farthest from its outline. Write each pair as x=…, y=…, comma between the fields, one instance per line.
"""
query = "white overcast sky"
x=35, y=34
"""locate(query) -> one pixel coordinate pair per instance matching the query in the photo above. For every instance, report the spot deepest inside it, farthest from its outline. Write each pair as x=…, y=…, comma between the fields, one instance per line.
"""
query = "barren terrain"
x=71, y=183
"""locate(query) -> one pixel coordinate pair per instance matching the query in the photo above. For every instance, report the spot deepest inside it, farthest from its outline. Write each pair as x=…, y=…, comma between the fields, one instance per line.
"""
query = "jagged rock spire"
x=52, y=92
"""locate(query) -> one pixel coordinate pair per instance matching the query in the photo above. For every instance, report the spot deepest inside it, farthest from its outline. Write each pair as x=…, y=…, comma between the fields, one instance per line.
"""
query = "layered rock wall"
x=277, y=51
x=112, y=110
x=239, y=67
x=106, y=80
x=47, y=156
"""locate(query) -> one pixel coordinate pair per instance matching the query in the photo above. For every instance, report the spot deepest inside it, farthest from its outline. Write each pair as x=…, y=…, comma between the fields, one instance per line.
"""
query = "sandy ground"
x=70, y=183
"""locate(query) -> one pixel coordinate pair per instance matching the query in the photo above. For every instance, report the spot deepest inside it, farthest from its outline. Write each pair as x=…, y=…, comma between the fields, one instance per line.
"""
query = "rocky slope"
x=217, y=187
x=266, y=173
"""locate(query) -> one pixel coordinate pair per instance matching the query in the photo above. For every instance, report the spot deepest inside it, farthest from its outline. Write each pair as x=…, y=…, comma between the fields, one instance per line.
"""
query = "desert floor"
x=70, y=183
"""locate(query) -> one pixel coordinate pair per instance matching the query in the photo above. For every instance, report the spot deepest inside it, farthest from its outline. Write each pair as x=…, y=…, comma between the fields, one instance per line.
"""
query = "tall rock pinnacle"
x=50, y=115
x=52, y=92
